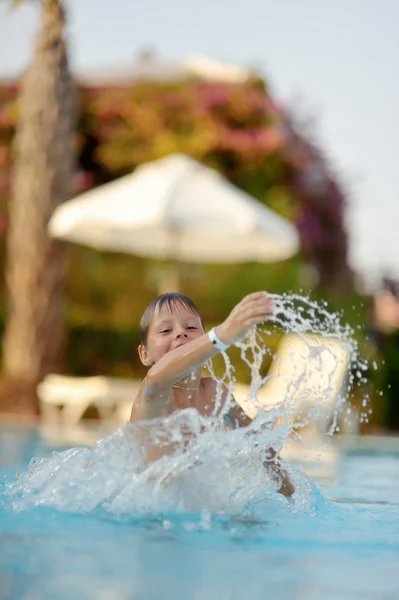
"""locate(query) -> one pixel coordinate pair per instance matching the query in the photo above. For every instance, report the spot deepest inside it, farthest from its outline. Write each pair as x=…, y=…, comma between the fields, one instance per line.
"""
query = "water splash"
x=207, y=468
x=319, y=359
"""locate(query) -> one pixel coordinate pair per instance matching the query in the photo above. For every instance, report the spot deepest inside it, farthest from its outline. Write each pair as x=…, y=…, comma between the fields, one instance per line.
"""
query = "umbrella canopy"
x=175, y=208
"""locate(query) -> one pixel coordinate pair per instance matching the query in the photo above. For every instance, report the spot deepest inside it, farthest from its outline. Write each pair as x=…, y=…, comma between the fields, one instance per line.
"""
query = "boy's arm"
x=273, y=465
x=236, y=417
x=179, y=363
x=143, y=410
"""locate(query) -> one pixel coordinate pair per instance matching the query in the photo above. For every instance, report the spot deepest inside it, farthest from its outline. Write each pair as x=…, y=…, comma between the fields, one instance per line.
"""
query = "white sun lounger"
x=65, y=398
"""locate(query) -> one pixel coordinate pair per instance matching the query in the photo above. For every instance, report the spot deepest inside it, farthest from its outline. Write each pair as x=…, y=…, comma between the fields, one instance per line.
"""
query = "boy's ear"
x=144, y=356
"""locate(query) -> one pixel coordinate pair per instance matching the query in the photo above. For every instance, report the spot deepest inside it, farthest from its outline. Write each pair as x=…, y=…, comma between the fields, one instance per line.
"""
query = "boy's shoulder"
x=213, y=383
x=209, y=380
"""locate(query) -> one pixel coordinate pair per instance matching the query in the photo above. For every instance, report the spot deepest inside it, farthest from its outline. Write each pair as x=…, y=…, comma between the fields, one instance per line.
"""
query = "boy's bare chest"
x=204, y=403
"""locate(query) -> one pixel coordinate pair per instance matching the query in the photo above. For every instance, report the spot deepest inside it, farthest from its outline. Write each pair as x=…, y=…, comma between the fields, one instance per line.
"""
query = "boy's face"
x=170, y=329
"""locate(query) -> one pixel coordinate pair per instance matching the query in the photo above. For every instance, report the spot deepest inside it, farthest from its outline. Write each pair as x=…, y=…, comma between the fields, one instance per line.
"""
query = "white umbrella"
x=178, y=209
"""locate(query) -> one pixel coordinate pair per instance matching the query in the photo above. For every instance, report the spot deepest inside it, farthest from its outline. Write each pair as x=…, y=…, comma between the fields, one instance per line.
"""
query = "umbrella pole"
x=170, y=276
x=169, y=279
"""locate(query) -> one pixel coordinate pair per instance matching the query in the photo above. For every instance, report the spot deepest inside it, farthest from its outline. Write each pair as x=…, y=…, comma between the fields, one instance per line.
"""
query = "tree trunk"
x=43, y=172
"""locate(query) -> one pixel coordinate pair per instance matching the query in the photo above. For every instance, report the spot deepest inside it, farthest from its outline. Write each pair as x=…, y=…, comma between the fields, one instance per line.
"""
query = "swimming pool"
x=346, y=548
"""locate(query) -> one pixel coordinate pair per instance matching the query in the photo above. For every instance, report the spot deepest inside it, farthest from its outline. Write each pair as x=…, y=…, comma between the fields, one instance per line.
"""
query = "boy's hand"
x=273, y=465
x=252, y=310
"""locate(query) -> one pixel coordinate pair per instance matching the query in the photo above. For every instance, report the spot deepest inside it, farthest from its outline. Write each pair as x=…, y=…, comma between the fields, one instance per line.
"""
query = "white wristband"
x=216, y=342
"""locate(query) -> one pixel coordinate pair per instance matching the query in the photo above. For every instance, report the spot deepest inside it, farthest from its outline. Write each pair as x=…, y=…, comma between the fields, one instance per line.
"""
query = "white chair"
x=67, y=398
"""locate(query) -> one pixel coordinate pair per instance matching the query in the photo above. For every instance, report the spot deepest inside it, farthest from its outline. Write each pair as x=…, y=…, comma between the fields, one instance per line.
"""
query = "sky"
x=336, y=61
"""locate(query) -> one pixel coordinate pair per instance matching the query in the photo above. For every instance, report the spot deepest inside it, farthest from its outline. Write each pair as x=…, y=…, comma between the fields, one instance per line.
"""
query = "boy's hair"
x=170, y=299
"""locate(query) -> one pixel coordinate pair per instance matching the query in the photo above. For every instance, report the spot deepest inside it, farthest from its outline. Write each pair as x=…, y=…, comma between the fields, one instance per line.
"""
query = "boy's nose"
x=181, y=334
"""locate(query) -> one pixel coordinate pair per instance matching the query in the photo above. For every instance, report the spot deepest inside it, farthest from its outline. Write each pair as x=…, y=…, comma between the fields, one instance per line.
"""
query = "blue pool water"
x=344, y=545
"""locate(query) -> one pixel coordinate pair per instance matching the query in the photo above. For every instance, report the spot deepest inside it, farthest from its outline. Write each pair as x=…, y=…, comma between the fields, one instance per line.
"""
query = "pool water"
x=346, y=547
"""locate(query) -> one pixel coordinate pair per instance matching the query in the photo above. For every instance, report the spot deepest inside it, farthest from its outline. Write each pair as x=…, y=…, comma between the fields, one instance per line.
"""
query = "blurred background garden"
x=71, y=309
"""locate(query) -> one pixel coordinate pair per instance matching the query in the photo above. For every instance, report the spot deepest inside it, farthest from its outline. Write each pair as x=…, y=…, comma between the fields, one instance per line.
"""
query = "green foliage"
x=102, y=350
x=389, y=381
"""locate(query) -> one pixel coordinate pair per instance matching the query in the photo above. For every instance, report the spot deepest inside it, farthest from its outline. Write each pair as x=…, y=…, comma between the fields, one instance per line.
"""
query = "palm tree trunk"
x=43, y=171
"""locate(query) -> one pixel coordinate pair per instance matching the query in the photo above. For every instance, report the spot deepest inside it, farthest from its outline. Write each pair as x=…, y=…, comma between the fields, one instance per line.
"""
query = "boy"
x=174, y=346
